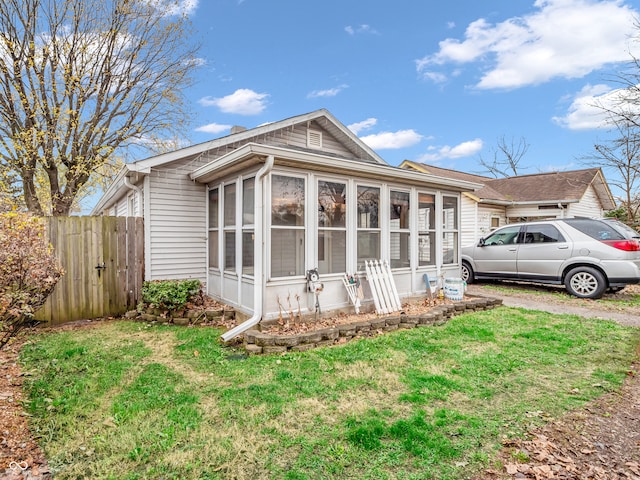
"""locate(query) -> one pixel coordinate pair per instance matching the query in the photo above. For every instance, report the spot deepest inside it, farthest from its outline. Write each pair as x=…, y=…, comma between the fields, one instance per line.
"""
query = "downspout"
x=138, y=190
x=260, y=266
x=562, y=209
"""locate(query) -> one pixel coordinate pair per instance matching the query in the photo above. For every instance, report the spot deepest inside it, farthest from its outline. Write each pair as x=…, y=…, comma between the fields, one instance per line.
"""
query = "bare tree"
x=506, y=158
x=621, y=156
x=80, y=80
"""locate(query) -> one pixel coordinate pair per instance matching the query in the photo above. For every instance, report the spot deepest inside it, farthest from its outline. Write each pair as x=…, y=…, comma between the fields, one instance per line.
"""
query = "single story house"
x=251, y=213
x=573, y=193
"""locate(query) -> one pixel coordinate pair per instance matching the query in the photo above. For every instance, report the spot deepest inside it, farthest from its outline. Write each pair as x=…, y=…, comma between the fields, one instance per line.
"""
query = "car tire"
x=467, y=273
x=585, y=282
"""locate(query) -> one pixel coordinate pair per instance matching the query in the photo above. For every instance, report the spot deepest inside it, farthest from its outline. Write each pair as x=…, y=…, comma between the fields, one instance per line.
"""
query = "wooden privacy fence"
x=103, y=259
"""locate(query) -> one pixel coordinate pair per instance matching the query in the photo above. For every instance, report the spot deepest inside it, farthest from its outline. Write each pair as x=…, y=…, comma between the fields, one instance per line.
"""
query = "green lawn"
x=127, y=400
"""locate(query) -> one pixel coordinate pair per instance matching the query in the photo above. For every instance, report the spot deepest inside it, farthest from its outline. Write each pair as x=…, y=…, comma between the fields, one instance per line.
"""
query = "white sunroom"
x=252, y=213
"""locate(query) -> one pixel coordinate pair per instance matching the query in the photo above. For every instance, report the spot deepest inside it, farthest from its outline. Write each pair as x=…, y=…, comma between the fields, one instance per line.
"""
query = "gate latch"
x=100, y=267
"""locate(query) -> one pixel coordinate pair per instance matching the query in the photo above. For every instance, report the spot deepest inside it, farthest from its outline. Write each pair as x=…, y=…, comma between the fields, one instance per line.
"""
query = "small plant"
x=280, y=308
x=299, y=309
x=170, y=294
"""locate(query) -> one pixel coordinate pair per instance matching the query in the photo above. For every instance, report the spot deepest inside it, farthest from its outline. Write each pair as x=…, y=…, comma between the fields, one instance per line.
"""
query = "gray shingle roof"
x=552, y=187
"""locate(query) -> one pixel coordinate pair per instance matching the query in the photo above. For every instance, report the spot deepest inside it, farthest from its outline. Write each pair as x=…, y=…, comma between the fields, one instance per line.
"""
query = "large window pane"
x=399, y=242
x=287, y=252
x=229, y=205
x=332, y=203
x=247, y=253
x=426, y=211
x=426, y=229
x=287, y=201
x=450, y=248
x=332, y=247
x=213, y=249
x=368, y=204
x=229, y=251
x=213, y=208
x=450, y=212
x=399, y=210
x=248, y=201
x=427, y=248
x=368, y=247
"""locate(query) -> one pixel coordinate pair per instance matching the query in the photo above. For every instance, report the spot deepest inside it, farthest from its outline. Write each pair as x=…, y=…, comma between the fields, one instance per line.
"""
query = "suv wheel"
x=585, y=282
x=467, y=273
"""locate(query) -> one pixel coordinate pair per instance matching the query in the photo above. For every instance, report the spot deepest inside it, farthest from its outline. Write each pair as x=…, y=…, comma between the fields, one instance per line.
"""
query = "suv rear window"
x=595, y=229
x=625, y=230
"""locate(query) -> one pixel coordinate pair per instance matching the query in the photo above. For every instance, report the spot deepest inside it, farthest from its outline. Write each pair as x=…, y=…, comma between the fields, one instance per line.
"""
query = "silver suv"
x=587, y=255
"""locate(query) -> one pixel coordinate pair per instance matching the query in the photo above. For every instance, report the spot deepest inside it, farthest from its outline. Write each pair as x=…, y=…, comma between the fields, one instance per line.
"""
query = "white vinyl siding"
x=177, y=226
x=588, y=206
x=486, y=214
x=121, y=207
x=470, y=225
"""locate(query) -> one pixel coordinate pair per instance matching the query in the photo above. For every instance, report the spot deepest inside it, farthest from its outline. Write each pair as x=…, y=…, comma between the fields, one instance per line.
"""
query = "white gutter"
x=138, y=190
x=260, y=266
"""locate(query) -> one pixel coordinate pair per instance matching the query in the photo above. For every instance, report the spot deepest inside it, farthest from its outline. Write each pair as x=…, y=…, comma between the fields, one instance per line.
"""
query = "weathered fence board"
x=103, y=258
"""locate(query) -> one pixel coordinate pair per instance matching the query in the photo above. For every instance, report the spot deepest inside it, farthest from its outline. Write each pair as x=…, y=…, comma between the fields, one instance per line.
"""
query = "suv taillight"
x=626, y=245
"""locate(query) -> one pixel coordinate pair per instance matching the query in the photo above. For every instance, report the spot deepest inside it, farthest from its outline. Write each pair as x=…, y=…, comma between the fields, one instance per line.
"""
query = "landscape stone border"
x=183, y=317
x=261, y=343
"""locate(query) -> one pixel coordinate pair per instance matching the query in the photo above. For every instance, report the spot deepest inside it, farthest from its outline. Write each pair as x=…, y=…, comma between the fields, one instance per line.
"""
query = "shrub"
x=170, y=294
x=28, y=271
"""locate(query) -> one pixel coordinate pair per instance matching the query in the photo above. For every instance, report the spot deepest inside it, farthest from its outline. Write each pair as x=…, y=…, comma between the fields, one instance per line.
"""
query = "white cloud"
x=392, y=140
x=175, y=7
x=363, y=125
x=361, y=29
x=464, y=149
x=590, y=107
x=242, y=102
x=585, y=112
x=331, y=92
x=560, y=39
x=214, y=128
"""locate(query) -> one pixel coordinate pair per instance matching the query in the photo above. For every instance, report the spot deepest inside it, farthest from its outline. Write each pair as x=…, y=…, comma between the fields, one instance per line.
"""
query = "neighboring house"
x=575, y=193
x=251, y=213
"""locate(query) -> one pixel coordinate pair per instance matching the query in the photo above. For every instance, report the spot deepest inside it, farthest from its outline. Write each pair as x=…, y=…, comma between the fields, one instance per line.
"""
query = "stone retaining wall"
x=256, y=342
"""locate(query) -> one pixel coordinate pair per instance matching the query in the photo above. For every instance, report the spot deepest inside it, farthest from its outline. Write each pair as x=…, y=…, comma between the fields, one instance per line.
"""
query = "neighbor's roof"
x=551, y=187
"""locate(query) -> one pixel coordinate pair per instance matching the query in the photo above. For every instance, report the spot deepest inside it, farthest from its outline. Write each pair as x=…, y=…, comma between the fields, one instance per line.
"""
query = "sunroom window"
x=332, y=227
x=230, y=227
x=214, y=207
x=399, y=229
x=368, y=224
x=426, y=229
x=449, y=230
x=248, y=225
x=287, y=226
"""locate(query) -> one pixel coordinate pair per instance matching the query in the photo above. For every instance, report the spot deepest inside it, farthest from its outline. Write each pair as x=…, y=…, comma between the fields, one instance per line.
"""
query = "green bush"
x=170, y=294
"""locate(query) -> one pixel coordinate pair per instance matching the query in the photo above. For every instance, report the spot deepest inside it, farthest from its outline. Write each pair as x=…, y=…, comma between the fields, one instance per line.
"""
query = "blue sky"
x=436, y=82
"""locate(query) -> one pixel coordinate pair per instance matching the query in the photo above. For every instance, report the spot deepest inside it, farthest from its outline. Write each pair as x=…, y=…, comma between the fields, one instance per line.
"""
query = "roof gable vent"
x=314, y=138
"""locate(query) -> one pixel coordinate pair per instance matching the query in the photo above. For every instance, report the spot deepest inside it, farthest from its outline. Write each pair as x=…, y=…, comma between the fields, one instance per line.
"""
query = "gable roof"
x=546, y=188
x=322, y=116
x=552, y=186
